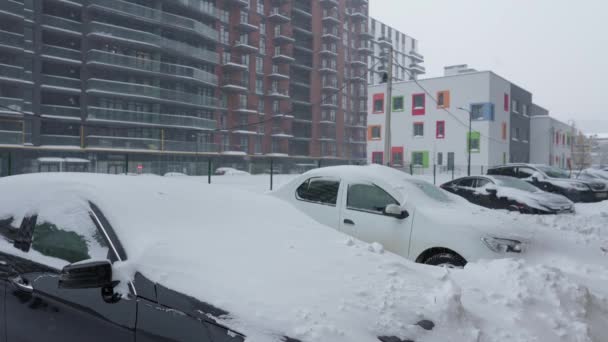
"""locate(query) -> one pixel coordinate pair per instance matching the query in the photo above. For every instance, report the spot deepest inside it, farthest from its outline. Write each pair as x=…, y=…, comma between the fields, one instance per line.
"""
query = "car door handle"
x=22, y=284
x=349, y=222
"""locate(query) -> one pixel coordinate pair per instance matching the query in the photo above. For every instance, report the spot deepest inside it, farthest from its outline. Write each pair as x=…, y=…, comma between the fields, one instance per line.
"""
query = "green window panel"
x=475, y=139
x=398, y=103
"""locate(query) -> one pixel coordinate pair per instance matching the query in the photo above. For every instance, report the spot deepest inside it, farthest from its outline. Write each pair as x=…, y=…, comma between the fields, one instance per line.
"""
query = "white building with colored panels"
x=429, y=128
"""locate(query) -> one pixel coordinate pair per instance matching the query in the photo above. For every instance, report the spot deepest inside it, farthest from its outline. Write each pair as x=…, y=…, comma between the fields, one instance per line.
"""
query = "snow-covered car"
x=502, y=192
x=553, y=179
x=406, y=215
x=229, y=171
x=592, y=175
x=93, y=258
x=175, y=174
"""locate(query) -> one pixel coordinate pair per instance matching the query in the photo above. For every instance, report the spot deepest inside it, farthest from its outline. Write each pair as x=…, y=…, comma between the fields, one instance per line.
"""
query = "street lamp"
x=469, y=138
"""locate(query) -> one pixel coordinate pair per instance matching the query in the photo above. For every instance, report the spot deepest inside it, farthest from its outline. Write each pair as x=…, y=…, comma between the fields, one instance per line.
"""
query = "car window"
x=515, y=183
x=429, y=190
x=368, y=197
x=554, y=172
x=67, y=240
x=525, y=172
x=481, y=182
x=467, y=183
x=319, y=190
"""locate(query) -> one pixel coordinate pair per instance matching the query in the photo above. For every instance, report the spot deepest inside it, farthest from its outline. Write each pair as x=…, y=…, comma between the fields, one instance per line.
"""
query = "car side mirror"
x=491, y=189
x=395, y=211
x=537, y=177
x=86, y=275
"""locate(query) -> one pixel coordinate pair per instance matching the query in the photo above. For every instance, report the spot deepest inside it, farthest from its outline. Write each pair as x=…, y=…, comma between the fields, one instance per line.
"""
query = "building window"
x=443, y=99
x=374, y=132
x=515, y=106
x=418, y=129
x=262, y=49
x=420, y=159
x=482, y=112
x=398, y=104
x=524, y=109
x=418, y=104
x=260, y=7
x=474, y=138
x=440, y=134
x=259, y=65
x=377, y=158
x=397, y=156
x=378, y=103
x=504, y=131
x=506, y=103
x=259, y=86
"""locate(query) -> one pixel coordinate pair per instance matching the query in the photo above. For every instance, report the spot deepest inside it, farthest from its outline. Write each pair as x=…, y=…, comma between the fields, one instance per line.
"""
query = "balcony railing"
x=189, y=146
x=129, y=89
x=204, y=7
x=59, y=140
x=123, y=143
x=98, y=56
x=157, y=119
x=278, y=16
x=11, y=105
x=61, y=52
x=11, y=71
x=135, y=36
x=62, y=23
x=11, y=39
x=279, y=93
x=12, y=7
x=11, y=137
x=417, y=55
x=190, y=51
x=64, y=111
x=61, y=82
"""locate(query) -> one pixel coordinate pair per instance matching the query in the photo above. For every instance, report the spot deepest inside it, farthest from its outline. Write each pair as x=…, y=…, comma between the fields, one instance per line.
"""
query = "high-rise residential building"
x=430, y=121
x=407, y=59
x=158, y=85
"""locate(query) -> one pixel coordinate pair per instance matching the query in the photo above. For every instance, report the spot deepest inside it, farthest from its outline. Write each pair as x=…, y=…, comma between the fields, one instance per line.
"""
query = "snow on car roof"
x=274, y=270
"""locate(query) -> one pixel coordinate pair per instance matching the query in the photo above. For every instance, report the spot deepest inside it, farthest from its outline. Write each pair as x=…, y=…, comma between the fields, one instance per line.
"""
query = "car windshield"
x=510, y=182
x=554, y=172
x=430, y=190
x=594, y=174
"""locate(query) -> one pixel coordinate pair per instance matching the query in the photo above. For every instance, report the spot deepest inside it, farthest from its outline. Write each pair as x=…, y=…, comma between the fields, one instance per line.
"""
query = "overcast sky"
x=557, y=49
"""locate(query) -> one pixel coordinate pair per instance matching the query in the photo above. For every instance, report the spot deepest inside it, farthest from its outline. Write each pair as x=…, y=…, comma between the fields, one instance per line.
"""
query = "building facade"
x=407, y=63
x=550, y=139
x=432, y=128
x=158, y=85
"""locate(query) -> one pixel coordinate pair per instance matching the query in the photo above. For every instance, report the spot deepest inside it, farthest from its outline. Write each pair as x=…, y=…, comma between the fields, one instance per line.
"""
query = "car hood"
x=537, y=200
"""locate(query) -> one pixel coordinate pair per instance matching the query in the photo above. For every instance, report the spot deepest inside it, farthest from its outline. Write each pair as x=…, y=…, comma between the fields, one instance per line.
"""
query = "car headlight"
x=499, y=245
x=580, y=186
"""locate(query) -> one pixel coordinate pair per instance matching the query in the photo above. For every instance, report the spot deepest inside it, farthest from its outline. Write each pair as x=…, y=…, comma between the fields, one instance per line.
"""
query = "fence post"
x=209, y=171
x=482, y=170
x=434, y=174
x=271, y=172
x=10, y=163
x=411, y=169
x=319, y=163
x=127, y=163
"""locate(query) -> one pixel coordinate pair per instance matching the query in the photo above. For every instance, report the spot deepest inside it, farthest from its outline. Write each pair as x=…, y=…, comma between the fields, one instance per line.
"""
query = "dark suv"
x=552, y=179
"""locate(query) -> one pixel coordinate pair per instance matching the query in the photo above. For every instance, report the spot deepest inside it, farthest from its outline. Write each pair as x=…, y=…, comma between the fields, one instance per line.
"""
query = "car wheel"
x=447, y=260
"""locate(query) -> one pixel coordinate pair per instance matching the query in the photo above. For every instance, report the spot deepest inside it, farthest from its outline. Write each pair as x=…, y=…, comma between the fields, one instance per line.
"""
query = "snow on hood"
x=537, y=200
x=277, y=272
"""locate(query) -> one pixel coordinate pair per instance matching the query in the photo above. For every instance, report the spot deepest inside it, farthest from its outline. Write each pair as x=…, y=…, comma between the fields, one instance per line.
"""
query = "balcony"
x=357, y=14
x=108, y=59
x=12, y=8
x=136, y=37
x=11, y=106
x=62, y=24
x=11, y=137
x=282, y=36
x=234, y=85
x=303, y=48
x=330, y=86
x=329, y=3
x=245, y=26
x=329, y=104
x=61, y=53
x=237, y=3
x=60, y=140
x=331, y=35
x=124, y=89
x=244, y=108
x=419, y=69
x=282, y=57
x=302, y=8
x=366, y=49
x=278, y=94
x=203, y=7
x=328, y=69
x=328, y=117
x=359, y=62
x=123, y=143
x=12, y=72
x=60, y=111
x=278, y=132
x=277, y=74
x=301, y=28
x=151, y=119
x=189, y=146
x=415, y=55
x=366, y=34
x=66, y=84
x=234, y=64
x=11, y=40
x=190, y=51
x=331, y=18
x=329, y=51
x=243, y=46
x=278, y=17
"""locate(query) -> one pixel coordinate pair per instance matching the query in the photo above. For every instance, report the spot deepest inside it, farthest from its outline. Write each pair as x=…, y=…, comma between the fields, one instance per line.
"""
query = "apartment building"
x=407, y=63
x=433, y=128
x=124, y=85
x=550, y=139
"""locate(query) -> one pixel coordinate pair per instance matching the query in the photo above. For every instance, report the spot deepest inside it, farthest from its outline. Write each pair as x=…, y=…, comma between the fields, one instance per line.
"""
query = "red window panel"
x=378, y=104
x=504, y=131
x=418, y=104
x=378, y=158
x=397, y=156
x=506, y=104
x=440, y=130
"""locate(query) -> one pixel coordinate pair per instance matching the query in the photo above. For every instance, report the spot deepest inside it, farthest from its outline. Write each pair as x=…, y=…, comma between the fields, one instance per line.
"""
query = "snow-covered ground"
x=558, y=292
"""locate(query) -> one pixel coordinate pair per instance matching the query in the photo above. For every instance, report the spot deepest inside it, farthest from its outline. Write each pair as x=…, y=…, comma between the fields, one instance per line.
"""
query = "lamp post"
x=468, y=139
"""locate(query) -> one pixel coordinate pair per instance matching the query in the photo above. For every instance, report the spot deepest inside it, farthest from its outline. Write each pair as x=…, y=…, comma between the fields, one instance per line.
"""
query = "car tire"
x=447, y=260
